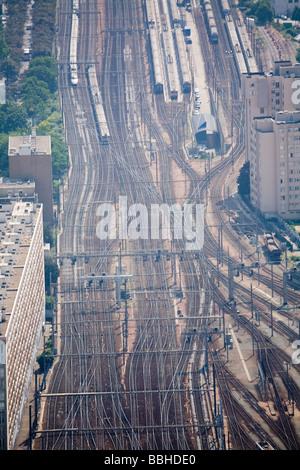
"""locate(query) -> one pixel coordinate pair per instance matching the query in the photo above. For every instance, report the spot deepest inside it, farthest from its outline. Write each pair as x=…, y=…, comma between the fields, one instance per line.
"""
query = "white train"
x=73, y=43
x=98, y=108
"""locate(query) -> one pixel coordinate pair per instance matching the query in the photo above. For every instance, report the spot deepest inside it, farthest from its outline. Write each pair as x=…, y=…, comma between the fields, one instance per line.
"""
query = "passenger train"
x=73, y=43
x=98, y=108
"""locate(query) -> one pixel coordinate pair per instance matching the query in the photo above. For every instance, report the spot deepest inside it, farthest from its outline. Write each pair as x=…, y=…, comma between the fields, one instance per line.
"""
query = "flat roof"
x=29, y=144
x=12, y=263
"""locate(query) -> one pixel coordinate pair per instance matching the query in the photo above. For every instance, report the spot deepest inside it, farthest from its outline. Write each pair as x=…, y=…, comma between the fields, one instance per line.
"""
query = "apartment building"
x=276, y=143
x=30, y=157
x=284, y=7
x=272, y=105
x=22, y=308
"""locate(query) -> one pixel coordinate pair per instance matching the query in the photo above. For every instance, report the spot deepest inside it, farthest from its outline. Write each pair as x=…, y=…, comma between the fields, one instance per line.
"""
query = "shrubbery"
x=46, y=359
x=33, y=96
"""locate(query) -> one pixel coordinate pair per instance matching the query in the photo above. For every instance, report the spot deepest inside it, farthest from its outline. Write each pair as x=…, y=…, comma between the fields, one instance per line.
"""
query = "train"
x=225, y=7
x=239, y=40
x=155, y=49
x=184, y=68
x=272, y=248
x=246, y=44
x=174, y=13
x=169, y=60
x=210, y=22
x=73, y=43
x=98, y=108
x=171, y=70
x=235, y=45
x=156, y=61
x=263, y=445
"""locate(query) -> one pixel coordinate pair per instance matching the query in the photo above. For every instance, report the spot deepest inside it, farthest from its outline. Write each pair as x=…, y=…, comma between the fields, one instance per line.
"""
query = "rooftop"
x=29, y=145
x=17, y=222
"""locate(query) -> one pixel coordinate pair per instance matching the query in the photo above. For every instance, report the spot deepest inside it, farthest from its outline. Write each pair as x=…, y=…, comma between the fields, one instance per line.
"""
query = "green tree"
x=296, y=14
x=3, y=154
x=45, y=359
x=59, y=157
x=264, y=12
x=44, y=69
x=35, y=97
x=51, y=270
x=4, y=49
x=13, y=116
x=243, y=180
x=10, y=68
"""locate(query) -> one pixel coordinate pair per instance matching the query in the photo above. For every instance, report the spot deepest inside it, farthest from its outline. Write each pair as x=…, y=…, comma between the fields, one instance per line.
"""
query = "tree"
x=44, y=69
x=296, y=14
x=35, y=97
x=50, y=268
x=46, y=358
x=4, y=49
x=12, y=117
x=3, y=154
x=264, y=12
x=243, y=180
x=10, y=68
x=59, y=157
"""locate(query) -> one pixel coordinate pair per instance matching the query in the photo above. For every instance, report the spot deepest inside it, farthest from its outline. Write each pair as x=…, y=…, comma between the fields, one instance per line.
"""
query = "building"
x=30, y=157
x=206, y=130
x=22, y=309
x=284, y=7
x=17, y=190
x=276, y=142
x=272, y=105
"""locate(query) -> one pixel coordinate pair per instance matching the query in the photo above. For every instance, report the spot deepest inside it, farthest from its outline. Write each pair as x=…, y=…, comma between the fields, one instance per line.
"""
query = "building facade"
x=284, y=7
x=30, y=157
x=272, y=105
x=22, y=307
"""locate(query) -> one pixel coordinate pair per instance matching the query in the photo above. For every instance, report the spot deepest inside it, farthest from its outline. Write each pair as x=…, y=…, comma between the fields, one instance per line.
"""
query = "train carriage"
x=210, y=22
x=98, y=105
x=73, y=44
x=156, y=60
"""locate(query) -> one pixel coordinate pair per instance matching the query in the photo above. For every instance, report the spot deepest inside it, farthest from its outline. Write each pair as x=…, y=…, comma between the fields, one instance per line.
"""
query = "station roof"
x=204, y=123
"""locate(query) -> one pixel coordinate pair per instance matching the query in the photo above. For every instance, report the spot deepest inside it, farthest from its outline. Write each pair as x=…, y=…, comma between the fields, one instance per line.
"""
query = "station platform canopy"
x=206, y=130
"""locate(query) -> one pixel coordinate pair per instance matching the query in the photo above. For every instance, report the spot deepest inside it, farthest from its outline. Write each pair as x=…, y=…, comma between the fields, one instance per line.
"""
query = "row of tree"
x=43, y=27
x=32, y=97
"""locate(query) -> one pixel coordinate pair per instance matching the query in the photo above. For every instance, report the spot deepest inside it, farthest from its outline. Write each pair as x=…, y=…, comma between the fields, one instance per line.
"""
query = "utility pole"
x=251, y=301
x=271, y=320
x=285, y=288
x=230, y=281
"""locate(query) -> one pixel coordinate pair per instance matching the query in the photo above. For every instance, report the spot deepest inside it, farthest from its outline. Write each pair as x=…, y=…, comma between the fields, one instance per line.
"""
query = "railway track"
x=127, y=376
